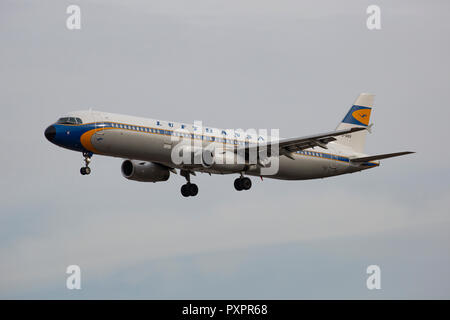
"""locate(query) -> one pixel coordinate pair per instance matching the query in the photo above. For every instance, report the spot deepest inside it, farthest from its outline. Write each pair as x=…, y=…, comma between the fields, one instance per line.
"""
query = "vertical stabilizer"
x=357, y=116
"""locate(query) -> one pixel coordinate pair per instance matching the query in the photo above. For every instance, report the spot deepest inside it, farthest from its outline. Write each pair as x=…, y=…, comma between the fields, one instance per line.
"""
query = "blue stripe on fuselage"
x=68, y=136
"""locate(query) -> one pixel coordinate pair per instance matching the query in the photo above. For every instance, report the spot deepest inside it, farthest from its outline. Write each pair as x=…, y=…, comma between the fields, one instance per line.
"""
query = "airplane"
x=148, y=146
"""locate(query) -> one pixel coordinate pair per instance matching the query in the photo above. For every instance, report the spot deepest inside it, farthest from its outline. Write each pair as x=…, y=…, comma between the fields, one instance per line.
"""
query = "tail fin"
x=357, y=116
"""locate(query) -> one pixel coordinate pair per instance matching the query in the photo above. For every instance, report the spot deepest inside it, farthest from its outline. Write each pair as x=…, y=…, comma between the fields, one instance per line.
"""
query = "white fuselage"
x=153, y=141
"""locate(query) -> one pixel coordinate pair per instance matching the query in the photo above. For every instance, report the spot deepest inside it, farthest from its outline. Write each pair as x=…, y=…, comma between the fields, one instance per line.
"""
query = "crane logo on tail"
x=362, y=115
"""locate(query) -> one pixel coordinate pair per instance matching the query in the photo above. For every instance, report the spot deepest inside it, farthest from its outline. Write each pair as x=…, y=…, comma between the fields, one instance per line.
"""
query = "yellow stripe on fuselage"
x=86, y=137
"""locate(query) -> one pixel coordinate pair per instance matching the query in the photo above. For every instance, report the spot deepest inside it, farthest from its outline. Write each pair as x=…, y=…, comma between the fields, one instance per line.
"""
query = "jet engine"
x=144, y=171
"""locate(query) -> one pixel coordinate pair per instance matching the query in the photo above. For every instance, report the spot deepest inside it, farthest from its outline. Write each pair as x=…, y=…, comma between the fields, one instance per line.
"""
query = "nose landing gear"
x=87, y=159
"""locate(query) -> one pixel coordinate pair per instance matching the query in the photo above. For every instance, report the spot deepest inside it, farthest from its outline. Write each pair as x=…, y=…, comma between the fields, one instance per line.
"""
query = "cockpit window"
x=69, y=120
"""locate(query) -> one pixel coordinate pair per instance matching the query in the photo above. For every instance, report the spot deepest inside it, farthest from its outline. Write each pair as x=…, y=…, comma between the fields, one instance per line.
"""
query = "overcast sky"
x=292, y=65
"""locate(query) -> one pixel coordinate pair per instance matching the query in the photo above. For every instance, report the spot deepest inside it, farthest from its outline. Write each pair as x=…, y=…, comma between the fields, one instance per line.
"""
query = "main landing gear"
x=242, y=183
x=191, y=190
x=188, y=189
x=87, y=159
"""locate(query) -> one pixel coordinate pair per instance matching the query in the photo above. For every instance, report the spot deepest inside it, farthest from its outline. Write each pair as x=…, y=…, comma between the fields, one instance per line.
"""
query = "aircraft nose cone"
x=50, y=133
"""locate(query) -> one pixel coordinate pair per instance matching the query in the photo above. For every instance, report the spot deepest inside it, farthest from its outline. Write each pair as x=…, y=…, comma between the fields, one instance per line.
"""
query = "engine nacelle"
x=144, y=171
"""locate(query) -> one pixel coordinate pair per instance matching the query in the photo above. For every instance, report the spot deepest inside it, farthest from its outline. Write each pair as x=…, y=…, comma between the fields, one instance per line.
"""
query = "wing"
x=286, y=146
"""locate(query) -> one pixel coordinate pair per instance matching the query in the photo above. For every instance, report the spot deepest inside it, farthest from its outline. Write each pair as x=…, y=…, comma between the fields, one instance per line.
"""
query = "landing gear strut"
x=188, y=189
x=87, y=159
x=242, y=183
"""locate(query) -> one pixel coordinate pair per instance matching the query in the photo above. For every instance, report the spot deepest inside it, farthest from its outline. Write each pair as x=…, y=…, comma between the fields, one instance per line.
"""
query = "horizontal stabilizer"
x=381, y=156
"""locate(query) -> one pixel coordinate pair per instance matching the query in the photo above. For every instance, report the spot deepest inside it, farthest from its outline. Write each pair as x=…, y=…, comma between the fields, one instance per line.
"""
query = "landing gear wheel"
x=243, y=183
x=185, y=192
x=193, y=189
x=238, y=184
x=189, y=190
x=85, y=170
x=246, y=183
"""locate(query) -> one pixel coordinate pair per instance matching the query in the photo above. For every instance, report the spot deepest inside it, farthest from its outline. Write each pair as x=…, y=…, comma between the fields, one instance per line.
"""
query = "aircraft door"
x=98, y=137
x=170, y=137
x=332, y=166
x=98, y=123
